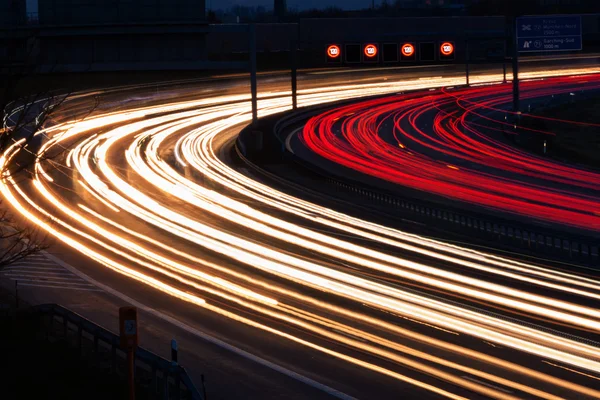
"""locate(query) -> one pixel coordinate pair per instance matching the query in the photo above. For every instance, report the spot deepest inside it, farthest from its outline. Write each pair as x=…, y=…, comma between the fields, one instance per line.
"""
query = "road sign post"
x=128, y=331
x=543, y=33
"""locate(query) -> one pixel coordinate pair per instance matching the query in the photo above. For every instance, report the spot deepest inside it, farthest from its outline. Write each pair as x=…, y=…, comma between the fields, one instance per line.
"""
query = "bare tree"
x=23, y=112
x=17, y=242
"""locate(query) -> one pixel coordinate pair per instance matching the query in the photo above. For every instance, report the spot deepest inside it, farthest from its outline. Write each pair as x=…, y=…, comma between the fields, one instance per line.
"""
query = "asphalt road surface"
x=271, y=296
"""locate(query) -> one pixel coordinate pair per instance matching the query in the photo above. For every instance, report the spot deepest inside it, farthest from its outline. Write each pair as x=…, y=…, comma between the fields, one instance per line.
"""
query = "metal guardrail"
x=164, y=379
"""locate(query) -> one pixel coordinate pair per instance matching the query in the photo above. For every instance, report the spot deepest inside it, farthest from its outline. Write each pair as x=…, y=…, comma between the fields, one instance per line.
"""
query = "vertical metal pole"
x=504, y=64
x=515, y=66
x=130, y=374
x=294, y=60
x=467, y=60
x=252, y=34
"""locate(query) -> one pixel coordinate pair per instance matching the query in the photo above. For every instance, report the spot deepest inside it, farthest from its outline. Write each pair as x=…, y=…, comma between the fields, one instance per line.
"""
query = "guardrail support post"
x=131, y=373
x=165, y=385
x=177, y=386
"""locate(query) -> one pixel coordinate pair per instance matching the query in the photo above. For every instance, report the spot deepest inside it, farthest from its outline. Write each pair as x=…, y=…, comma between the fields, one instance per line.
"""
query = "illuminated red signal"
x=408, y=50
x=371, y=51
x=333, y=51
x=447, y=48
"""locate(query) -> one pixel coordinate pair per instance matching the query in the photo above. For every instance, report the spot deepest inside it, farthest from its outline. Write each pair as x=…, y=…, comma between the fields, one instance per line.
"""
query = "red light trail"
x=450, y=143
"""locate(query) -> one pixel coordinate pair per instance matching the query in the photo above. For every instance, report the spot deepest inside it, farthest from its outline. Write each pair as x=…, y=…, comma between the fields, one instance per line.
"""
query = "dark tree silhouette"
x=23, y=112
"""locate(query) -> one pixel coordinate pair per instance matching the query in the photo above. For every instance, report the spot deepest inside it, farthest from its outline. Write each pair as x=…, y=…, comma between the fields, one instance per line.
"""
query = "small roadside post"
x=173, y=352
x=128, y=329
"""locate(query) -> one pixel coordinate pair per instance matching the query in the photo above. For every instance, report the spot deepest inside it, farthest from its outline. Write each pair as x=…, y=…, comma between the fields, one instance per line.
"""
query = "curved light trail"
x=145, y=193
x=463, y=155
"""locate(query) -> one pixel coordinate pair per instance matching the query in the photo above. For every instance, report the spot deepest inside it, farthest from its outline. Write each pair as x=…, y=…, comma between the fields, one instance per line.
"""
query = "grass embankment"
x=572, y=142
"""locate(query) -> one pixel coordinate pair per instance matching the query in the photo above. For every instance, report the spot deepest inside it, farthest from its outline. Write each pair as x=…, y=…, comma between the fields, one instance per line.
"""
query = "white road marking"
x=486, y=384
x=211, y=339
x=62, y=282
x=35, y=269
x=42, y=274
x=61, y=287
x=288, y=140
x=32, y=263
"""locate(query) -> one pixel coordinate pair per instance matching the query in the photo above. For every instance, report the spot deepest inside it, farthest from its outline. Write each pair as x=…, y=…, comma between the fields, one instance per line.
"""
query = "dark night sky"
x=297, y=4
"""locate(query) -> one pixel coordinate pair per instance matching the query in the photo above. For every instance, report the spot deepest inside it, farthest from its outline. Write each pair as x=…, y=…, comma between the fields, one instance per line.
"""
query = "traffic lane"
x=508, y=282
x=446, y=266
x=545, y=293
x=324, y=164
x=227, y=375
x=195, y=316
x=428, y=145
x=85, y=308
x=113, y=285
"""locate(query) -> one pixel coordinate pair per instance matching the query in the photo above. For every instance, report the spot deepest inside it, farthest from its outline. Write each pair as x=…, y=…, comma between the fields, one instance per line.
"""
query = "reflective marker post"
x=173, y=351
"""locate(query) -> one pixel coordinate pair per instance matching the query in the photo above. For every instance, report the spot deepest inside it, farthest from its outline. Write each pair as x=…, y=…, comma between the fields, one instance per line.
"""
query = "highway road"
x=460, y=144
x=292, y=298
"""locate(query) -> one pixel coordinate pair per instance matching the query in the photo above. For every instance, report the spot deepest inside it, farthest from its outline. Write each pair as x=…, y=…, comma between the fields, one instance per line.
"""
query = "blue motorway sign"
x=549, y=33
